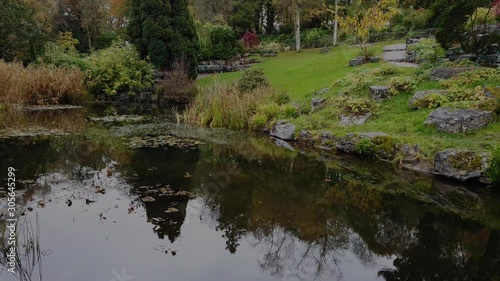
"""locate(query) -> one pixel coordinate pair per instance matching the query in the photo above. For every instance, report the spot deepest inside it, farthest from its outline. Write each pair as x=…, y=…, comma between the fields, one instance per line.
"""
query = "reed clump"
x=40, y=85
x=226, y=106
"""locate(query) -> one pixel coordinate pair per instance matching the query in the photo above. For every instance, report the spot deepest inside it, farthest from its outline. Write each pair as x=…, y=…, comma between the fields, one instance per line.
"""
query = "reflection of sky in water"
x=84, y=246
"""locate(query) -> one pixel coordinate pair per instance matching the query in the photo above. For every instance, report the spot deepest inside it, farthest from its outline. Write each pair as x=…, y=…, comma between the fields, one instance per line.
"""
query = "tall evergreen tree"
x=164, y=31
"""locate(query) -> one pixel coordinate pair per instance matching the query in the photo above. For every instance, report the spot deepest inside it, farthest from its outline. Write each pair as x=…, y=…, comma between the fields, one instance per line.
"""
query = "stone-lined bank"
x=458, y=164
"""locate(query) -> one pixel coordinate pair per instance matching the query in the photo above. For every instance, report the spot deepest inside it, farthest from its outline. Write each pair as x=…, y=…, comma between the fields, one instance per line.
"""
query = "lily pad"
x=163, y=142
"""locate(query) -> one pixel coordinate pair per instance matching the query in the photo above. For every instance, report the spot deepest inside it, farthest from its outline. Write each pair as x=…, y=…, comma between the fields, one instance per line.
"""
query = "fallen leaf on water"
x=171, y=210
x=148, y=199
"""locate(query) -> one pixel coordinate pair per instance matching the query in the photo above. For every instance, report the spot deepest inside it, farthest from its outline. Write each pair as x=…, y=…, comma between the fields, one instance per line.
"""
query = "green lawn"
x=302, y=73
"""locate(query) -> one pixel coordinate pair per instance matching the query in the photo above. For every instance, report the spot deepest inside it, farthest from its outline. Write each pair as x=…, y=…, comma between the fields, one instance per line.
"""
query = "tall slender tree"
x=164, y=31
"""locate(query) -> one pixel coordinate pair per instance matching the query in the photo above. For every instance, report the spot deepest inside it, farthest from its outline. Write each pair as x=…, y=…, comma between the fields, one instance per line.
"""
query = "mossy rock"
x=461, y=164
x=375, y=144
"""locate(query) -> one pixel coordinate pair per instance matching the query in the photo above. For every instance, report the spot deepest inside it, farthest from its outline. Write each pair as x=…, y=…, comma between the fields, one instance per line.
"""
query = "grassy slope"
x=301, y=74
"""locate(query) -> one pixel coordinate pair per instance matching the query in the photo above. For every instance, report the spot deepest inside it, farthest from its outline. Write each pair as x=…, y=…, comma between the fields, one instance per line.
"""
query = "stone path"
x=396, y=54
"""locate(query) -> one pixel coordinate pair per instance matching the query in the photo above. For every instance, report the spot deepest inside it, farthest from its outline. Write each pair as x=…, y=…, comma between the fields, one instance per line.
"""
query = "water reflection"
x=277, y=213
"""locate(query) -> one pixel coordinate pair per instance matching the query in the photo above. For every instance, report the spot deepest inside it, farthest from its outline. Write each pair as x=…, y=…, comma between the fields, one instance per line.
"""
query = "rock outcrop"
x=452, y=120
x=283, y=130
x=461, y=164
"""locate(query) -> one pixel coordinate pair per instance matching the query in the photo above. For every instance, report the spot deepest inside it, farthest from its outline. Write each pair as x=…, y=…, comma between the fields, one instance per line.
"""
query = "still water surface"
x=158, y=201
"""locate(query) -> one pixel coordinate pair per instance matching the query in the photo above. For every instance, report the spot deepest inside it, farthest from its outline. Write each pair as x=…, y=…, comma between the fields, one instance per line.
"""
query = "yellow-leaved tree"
x=367, y=20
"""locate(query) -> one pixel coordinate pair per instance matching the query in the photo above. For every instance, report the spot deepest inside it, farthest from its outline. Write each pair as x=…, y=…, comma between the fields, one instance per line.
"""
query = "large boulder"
x=443, y=73
x=348, y=120
x=419, y=96
x=357, y=61
x=379, y=93
x=452, y=120
x=317, y=103
x=461, y=164
x=283, y=130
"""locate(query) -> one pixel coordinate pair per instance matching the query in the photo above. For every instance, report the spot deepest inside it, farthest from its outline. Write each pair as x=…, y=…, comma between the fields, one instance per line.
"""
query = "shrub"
x=359, y=105
x=433, y=100
x=427, y=50
x=176, y=85
x=62, y=53
x=493, y=170
x=252, y=79
x=223, y=42
x=40, y=84
x=271, y=46
x=250, y=40
x=401, y=85
x=357, y=81
x=385, y=70
x=489, y=104
x=117, y=69
x=472, y=77
x=465, y=94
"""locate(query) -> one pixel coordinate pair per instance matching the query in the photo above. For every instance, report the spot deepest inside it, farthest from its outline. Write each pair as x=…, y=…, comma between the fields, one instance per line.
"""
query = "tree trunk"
x=297, y=28
x=270, y=15
x=336, y=23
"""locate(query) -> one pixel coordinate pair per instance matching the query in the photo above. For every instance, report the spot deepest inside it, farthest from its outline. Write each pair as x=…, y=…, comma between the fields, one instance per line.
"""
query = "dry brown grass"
x=176, y=86
x=40, y=85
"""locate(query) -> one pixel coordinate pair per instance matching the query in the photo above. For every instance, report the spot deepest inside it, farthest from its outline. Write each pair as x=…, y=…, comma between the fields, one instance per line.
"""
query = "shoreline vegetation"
x=310, y=90
x=341, y=91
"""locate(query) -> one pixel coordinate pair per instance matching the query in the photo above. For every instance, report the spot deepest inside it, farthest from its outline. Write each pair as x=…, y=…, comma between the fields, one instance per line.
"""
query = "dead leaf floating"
x=172, y=210
x=148, y=199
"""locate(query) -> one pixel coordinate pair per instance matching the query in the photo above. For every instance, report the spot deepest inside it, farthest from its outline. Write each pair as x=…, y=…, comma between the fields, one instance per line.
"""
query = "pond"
x=139, y=197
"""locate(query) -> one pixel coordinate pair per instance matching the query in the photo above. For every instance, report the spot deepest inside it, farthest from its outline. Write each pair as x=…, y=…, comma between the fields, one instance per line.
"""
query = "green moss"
x=466, y=160
x=493, y=171
x=364, y=146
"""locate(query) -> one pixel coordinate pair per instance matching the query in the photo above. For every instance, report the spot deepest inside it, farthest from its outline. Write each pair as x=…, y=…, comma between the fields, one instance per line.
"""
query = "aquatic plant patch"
x=163, y=142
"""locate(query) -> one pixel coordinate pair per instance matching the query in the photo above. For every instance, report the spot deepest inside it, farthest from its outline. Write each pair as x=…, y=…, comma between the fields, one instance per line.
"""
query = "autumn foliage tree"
x=367, y=20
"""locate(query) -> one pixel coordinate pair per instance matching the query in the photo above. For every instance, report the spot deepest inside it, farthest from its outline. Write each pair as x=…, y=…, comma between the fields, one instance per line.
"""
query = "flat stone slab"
x=349, y=120
x=394, y=56
x=452, y=120
x=404, y=64
x=395, y=47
